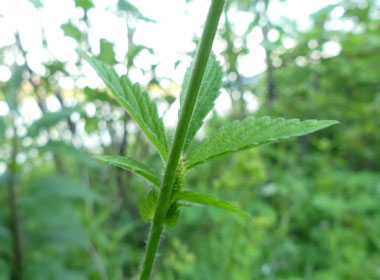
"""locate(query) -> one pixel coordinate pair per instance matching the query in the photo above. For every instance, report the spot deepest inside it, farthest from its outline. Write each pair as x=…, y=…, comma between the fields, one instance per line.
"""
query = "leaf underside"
x=137, y=103
x=172, y=215
x=148, y=206
x=209, y=200
x=133, y=166
x=249, y=133
x=209, y=91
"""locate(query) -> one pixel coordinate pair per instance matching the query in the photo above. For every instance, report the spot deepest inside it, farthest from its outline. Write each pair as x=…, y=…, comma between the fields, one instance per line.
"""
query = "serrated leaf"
x=148, y=206
x=135, y=101
x=249, y=133
x=133, y=166
x=49, y=119
x=209, y=200
x=209, y=91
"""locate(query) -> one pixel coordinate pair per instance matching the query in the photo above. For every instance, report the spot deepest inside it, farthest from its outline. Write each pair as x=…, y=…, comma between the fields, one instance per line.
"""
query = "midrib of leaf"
x=209, y=200
x=133, y=166
x=249, y=133
x=208, y=93
x=135, y=101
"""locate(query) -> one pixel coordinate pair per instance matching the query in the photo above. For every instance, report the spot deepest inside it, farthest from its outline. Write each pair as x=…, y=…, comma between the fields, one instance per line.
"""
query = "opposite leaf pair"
x=233, y=137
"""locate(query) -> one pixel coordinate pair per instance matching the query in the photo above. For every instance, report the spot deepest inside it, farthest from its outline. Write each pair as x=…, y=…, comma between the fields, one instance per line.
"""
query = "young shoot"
x=201, y=87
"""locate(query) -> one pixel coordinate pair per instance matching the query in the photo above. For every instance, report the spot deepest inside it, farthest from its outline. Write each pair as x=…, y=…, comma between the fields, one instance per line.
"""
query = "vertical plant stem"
x=271, y=86
x=192, y=91
x=14, y=223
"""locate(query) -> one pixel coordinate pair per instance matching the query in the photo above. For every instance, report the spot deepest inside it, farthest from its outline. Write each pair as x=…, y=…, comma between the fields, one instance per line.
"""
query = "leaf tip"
x=246, y=214
x=328, y=123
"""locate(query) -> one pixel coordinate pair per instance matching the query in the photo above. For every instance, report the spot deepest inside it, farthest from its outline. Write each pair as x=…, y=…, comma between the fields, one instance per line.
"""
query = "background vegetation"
x=315, y=200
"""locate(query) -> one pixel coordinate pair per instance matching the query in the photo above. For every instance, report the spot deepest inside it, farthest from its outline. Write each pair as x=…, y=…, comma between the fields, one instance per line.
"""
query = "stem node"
x=192, y=91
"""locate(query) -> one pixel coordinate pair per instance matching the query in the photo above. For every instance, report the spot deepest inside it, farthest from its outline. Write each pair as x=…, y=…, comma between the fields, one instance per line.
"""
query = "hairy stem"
x=192, y=91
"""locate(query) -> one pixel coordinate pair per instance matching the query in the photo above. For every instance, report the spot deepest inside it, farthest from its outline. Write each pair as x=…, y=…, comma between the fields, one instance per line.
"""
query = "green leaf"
x=98, y=95
x=209, y=91
x=135, y=101
x=148, y=206
x=2, y=129
x=49, y=119
x=55, y=186
x=85, y=4
x=5, y=269
x=107, y=54
x=172, y=215
x=67, y=151
x=133, y=166
x=55, y=66
x=71, y=31
x=133, y=51
x=209, y=200
x=249, y=133
x=71, y=275
x=12, y=86
x=36, y=3
x=126, y=6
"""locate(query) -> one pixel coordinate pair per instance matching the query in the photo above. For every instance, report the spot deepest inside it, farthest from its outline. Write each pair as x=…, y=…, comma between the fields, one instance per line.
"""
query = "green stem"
x=14, y=219
x=192, y=91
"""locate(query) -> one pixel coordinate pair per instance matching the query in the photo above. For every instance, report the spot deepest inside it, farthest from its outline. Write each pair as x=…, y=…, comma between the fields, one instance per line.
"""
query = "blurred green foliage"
x=315, y=200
